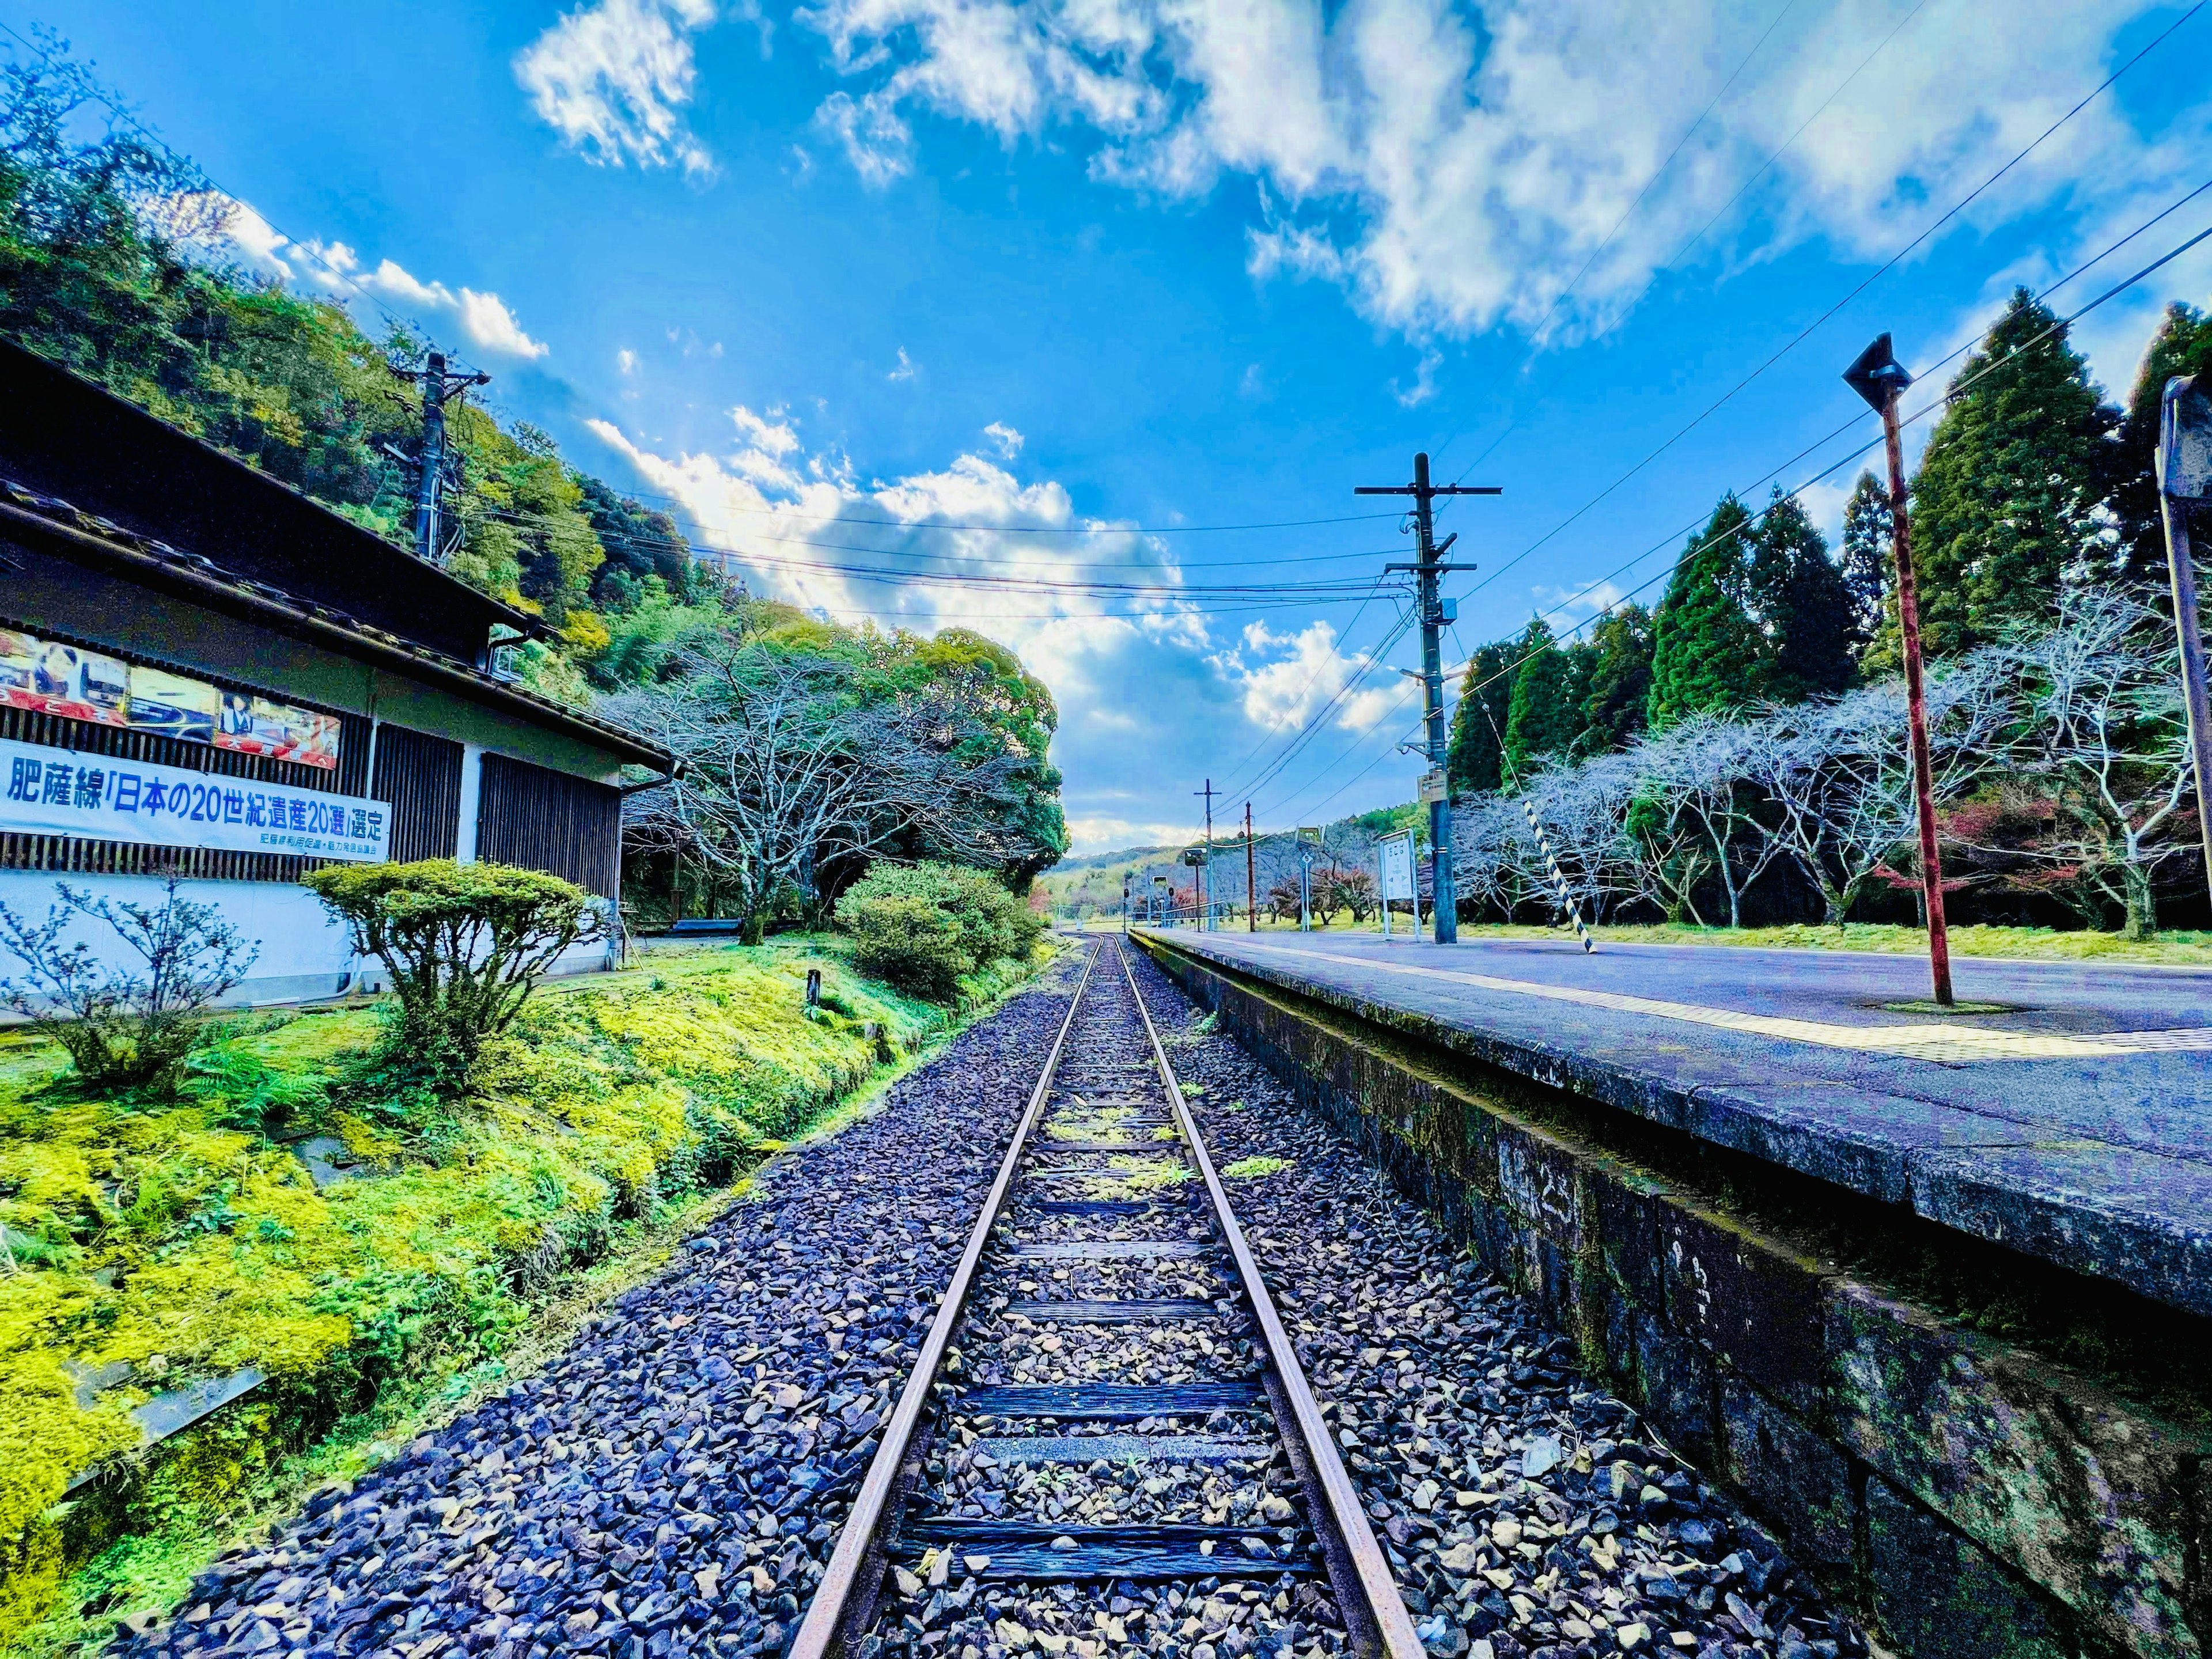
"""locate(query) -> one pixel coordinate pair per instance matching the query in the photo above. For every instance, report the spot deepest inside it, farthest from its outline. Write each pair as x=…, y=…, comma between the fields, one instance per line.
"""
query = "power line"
x=1888, y=265
x=1560, y=298
x=1096, y=529
x=1682, y=251
x=684, y=543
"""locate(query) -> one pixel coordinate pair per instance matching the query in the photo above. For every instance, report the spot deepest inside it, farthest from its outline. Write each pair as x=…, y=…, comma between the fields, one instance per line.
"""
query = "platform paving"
x=2076, y=1125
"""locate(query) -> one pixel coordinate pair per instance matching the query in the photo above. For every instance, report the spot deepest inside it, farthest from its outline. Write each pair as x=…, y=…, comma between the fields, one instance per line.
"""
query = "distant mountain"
x=1126, y=855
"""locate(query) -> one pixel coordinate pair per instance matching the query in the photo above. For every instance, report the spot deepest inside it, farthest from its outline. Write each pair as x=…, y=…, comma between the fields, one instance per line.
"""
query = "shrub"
x=123, y=1027
x=922, y=926
x=910, y=943
x=465, y=945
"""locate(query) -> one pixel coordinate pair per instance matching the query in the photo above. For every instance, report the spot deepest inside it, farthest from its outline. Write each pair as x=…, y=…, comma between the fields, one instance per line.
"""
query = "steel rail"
x=1307, y=1430
x=820, y=1634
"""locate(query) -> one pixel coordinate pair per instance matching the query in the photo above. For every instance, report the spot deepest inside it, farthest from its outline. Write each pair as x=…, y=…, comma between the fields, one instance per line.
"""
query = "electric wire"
x=1536, y=334
x=1682, y=252
x=1890, y=264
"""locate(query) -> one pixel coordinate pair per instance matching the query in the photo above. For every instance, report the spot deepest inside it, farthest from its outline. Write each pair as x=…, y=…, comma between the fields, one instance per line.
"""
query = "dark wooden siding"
x=542, y=819
x=420, y=776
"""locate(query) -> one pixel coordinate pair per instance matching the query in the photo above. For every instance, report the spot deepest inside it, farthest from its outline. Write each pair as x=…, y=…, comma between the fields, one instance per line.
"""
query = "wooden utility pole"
x=2185, y=478
x=1434, y=615
x=1878, y=378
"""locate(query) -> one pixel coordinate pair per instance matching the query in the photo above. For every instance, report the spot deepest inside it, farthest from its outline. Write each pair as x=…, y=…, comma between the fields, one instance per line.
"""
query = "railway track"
x=1174, y=1456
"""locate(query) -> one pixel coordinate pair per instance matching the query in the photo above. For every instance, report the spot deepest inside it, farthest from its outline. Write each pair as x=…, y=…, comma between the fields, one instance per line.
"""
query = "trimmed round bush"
x=920, y=926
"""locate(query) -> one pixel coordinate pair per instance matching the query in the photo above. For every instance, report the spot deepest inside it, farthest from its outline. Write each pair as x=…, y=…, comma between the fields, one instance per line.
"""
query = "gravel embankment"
x=673, y=1481
x=1524, y=1508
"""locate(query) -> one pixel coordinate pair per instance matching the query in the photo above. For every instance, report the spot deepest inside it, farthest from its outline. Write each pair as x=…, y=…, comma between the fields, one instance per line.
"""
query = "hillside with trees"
x=104, y=267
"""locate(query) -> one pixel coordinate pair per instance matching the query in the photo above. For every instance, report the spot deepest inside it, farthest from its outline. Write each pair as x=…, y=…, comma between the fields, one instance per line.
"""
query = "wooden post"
x=1916, y=703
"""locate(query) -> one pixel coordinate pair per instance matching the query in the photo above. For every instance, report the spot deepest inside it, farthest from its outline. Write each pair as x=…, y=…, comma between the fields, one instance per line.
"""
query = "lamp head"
x=1876, y=376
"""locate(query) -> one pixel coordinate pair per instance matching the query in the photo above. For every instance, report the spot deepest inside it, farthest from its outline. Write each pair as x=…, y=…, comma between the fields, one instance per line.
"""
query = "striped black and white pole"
x=1558, y=877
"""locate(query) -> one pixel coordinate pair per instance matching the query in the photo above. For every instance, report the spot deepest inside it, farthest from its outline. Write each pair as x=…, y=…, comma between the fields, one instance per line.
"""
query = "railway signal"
x=1435, y=615
x=1878, y=378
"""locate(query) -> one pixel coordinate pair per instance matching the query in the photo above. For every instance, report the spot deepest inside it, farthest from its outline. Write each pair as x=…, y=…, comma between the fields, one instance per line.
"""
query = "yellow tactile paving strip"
x=1950, y=1042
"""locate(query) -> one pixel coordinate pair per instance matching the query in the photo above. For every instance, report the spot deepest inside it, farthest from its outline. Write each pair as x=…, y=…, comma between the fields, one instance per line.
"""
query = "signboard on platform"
x=1397, y=859
x=59, y=792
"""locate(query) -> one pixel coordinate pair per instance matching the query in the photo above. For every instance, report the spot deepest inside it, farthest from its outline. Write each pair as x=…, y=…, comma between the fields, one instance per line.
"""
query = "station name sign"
x=59, y=792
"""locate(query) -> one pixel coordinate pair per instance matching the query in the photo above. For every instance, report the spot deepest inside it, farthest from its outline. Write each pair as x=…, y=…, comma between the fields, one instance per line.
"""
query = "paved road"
x=2089, y=1102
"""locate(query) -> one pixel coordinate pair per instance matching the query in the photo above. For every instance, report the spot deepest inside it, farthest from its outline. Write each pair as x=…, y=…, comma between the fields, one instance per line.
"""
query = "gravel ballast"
x=1525, y=1510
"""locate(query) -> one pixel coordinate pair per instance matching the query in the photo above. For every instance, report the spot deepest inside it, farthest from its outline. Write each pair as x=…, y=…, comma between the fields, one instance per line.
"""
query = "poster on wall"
x=80, y=684
x=51, y=678
x=255, y=726
x=171, y=705
x=45, y=791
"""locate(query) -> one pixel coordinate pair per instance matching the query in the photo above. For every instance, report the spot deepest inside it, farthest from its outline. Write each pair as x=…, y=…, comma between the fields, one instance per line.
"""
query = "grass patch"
x=182, y=1235
x=1248, y=1169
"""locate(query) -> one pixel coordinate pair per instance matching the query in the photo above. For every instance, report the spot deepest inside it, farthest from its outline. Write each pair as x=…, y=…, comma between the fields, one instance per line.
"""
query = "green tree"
x=1706, y=651
x=1475, y=761
x=2008, y=503
x=1619, y=680
x=1545, y=715
x=1802, y=605
x=2183, y=345
x=1868, y=562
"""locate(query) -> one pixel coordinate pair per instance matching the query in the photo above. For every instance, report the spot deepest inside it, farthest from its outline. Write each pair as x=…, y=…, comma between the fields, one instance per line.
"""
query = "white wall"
x=303, y=949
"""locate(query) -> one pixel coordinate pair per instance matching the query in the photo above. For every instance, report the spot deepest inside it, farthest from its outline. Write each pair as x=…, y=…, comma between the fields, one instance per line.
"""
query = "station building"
x=205, y=673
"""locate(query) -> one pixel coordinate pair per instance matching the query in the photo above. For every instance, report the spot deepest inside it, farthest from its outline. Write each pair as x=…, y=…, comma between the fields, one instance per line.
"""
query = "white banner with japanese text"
x=59, y=792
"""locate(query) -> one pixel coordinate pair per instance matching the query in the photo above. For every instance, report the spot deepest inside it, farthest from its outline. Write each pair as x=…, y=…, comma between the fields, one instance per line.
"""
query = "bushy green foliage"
x=2010, y=496
x=923, y=926
x=1705, y=652
x=465, y=945
x=1545, y=716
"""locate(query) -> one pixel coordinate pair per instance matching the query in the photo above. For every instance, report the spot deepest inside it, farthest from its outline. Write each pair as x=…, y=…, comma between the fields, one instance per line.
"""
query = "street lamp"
x=1878, y=378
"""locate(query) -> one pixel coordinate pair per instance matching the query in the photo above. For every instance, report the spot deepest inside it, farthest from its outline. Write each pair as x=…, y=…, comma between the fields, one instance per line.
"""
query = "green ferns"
x=187, y=1238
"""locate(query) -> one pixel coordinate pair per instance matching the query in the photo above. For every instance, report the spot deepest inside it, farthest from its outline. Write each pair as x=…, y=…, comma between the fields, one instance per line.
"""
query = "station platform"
x=2073, y=1122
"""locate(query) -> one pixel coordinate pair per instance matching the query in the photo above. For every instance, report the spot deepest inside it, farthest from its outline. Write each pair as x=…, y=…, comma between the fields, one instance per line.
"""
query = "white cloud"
x=336, y=271
x=626, y=361
x=906, y=368
x=1008, y=440
x=1575, y=603
x=1284, y=678
x=612, y=78
x=768, y=501
x=1454, y=165
x=1088, y=833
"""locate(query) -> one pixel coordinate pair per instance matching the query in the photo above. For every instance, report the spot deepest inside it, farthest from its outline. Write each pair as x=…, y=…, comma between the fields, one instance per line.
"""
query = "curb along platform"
x=1930, y=1296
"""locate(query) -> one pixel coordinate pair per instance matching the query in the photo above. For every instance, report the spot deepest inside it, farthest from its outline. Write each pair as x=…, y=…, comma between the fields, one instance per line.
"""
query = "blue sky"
x=1089, y=273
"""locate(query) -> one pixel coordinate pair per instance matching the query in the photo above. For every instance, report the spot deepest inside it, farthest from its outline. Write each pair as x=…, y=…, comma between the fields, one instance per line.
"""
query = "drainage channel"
x=1107, y=1430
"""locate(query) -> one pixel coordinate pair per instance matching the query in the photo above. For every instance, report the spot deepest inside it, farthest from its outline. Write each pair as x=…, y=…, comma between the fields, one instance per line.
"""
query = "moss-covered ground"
x=182, y=1235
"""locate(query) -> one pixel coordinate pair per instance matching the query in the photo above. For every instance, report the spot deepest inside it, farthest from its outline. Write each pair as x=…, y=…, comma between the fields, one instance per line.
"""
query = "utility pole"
x=438, y=386
x=1205, y=869
x=1434, y=616
x=1251, y=876
x=1878, y=378
x=2185, y=478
